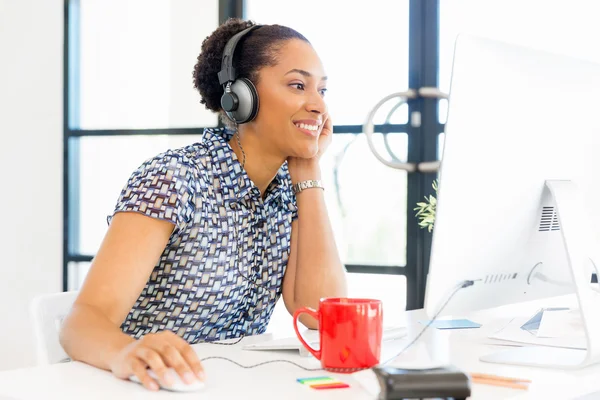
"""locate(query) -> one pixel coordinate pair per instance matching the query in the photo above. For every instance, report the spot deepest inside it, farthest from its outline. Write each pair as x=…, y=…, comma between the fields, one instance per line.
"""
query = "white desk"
x=278, y=381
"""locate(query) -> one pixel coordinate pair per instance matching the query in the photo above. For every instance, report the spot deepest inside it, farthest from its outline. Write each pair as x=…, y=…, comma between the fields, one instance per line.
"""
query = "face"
x=292, y=106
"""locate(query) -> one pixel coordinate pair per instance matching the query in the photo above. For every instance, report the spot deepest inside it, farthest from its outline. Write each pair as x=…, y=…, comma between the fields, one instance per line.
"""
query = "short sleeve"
x=161, y=188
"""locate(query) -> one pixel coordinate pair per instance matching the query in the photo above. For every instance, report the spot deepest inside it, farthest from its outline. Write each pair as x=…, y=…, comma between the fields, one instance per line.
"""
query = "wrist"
x=304, y=171
x=114, y=353
x=308, y=184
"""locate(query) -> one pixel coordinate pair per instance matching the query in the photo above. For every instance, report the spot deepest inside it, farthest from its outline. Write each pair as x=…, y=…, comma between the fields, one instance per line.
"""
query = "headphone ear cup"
x=229, y=101
x=247, y=99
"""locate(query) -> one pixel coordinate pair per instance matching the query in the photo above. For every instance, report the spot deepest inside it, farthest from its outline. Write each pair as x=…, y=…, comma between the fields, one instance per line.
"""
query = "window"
x=129, y=96
x=363, y=46
x=567, y=27
x=136, y=62
x=364, y=198
x=99, y=188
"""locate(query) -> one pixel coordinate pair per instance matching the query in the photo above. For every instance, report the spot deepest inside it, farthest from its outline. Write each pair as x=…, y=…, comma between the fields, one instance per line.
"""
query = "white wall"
x=31, y=37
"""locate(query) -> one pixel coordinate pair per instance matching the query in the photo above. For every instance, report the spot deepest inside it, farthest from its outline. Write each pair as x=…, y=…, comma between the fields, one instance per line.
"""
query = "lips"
x=309, y=127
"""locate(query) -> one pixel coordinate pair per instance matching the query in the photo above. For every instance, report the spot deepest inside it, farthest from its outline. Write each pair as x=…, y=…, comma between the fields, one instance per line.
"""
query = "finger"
x=190, y=356
x=173, y=358
x=155, y=362
x=327, y=129
x=328, y=123
x=139, y=370
x=193, y=361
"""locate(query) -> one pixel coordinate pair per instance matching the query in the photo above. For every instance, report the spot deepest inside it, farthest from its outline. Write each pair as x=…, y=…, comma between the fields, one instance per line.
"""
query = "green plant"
x=426, y=210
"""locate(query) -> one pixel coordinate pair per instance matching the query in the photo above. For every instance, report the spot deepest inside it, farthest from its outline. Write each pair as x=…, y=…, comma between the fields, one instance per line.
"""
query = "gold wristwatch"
x=300, y=186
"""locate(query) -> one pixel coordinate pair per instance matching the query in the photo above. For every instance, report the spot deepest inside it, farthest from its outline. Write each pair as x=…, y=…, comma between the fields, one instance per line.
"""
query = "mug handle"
x=315, y=315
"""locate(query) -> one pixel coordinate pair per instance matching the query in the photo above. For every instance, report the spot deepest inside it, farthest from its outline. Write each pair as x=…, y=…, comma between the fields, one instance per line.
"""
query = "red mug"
x=350, y=332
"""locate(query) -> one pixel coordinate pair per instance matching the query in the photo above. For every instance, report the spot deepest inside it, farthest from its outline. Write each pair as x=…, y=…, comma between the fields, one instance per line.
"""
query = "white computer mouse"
x=178, y=386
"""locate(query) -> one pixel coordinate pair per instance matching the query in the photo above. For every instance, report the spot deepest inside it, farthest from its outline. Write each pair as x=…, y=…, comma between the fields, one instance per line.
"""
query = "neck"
x=261, y=164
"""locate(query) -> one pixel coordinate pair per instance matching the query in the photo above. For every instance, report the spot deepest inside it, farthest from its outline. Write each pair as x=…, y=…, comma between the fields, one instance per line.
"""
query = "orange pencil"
x=495, y=382
x=476, y=375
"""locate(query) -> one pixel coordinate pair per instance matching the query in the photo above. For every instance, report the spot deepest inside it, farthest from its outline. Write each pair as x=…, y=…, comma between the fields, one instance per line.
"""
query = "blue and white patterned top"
x=221, y=272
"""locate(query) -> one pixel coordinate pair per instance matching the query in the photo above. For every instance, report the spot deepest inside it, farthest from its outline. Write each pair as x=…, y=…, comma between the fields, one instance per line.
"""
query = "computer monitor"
x=518, y=209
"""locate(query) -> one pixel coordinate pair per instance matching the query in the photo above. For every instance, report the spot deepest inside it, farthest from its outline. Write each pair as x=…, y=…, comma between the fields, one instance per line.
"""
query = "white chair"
x=47, y=313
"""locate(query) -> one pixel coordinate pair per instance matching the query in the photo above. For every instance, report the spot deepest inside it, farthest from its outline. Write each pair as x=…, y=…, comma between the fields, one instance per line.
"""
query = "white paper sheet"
x=561, y=324
x=512, y=332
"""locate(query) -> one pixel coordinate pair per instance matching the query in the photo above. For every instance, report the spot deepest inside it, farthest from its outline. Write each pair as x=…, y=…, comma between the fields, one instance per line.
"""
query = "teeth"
x=308, y=127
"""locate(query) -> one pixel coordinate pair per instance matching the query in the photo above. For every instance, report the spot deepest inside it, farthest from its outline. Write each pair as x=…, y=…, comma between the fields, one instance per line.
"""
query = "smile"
x=308, y=129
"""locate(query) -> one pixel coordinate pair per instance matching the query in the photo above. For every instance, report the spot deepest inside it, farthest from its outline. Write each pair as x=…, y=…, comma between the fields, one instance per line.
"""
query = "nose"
x=316, y=104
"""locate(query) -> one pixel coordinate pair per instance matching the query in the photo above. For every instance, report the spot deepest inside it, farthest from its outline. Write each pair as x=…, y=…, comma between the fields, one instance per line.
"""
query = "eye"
x=323, y=91
x=298, y=85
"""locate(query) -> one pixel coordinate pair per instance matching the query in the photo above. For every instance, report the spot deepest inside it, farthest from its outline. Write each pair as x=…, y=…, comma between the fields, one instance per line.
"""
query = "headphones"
x=240, y=98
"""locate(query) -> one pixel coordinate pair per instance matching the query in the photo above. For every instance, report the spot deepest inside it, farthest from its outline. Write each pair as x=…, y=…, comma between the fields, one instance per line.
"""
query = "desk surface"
x=278, y=380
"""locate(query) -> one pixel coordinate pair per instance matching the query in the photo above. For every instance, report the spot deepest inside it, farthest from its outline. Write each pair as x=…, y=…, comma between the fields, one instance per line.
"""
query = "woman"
x=204, y=239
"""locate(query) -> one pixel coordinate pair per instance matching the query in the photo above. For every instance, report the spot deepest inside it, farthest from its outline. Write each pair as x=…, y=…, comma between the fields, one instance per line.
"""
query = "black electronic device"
x=400, y=384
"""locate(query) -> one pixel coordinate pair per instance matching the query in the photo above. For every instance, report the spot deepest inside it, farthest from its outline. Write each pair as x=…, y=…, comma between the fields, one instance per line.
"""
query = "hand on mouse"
x=158, y=351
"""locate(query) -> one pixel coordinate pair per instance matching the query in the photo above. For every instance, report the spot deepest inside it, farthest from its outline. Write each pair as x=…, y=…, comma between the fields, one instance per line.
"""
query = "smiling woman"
x=205, y=239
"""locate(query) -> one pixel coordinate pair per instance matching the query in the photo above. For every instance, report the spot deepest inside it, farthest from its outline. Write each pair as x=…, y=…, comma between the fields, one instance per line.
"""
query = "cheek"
x=279, y=105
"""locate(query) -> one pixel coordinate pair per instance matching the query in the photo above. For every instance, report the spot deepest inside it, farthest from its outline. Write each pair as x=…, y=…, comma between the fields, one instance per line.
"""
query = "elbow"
x=344, y=283
x=305, y=319
x=65, y=335
x=309, y=321
x=69, y=333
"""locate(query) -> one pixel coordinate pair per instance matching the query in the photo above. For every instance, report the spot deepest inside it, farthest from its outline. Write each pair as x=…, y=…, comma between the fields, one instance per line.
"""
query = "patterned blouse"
x=221, y=272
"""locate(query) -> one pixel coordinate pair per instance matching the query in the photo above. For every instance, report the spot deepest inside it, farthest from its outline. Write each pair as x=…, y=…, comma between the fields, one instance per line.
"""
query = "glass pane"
x=440, y=145
x=394, y=111
x=366, y=200
x=137, y=58
x=390, y=289
x=106, y=165
x=443, y=111
x=364, y=47
x=77, y=271
x=567, y=27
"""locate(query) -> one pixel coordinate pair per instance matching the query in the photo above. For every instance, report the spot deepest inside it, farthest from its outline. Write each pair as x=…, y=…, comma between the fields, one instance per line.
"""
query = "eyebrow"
x=303, y=73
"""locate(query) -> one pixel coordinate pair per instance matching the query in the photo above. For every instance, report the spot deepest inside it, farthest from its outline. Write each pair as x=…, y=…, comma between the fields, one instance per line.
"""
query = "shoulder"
x=185, y=163
x=168, y=161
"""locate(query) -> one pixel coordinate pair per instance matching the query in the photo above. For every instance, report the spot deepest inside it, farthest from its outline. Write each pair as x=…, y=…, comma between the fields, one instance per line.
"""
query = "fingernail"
x=189, y=378
x=200, y=375
x=153, y=386
x=170, y=377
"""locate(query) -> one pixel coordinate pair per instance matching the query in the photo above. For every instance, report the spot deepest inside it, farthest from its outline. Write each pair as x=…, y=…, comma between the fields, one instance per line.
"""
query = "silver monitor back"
x=517, y=118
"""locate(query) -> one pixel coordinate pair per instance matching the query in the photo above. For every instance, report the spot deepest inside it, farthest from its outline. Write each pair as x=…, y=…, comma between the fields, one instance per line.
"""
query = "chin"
x=307, y=151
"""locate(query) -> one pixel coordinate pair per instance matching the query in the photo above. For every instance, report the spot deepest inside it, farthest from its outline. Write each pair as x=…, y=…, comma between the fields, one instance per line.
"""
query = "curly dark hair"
x=255, y=51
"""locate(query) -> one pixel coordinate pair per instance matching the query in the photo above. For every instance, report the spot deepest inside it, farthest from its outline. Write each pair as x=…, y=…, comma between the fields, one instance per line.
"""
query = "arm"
x=91, y=333
x=314, y=267
x=132, y=245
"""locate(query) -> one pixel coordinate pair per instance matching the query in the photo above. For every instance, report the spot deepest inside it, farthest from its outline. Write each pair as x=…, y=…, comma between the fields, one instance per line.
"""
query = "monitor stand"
x=564, y=194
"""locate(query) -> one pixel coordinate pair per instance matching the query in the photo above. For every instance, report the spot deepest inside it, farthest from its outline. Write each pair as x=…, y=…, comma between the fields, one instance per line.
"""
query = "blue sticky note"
x=452, y=324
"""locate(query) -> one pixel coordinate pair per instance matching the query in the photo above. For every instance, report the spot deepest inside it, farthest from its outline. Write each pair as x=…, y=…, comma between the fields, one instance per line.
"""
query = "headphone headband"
x=228, y=73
